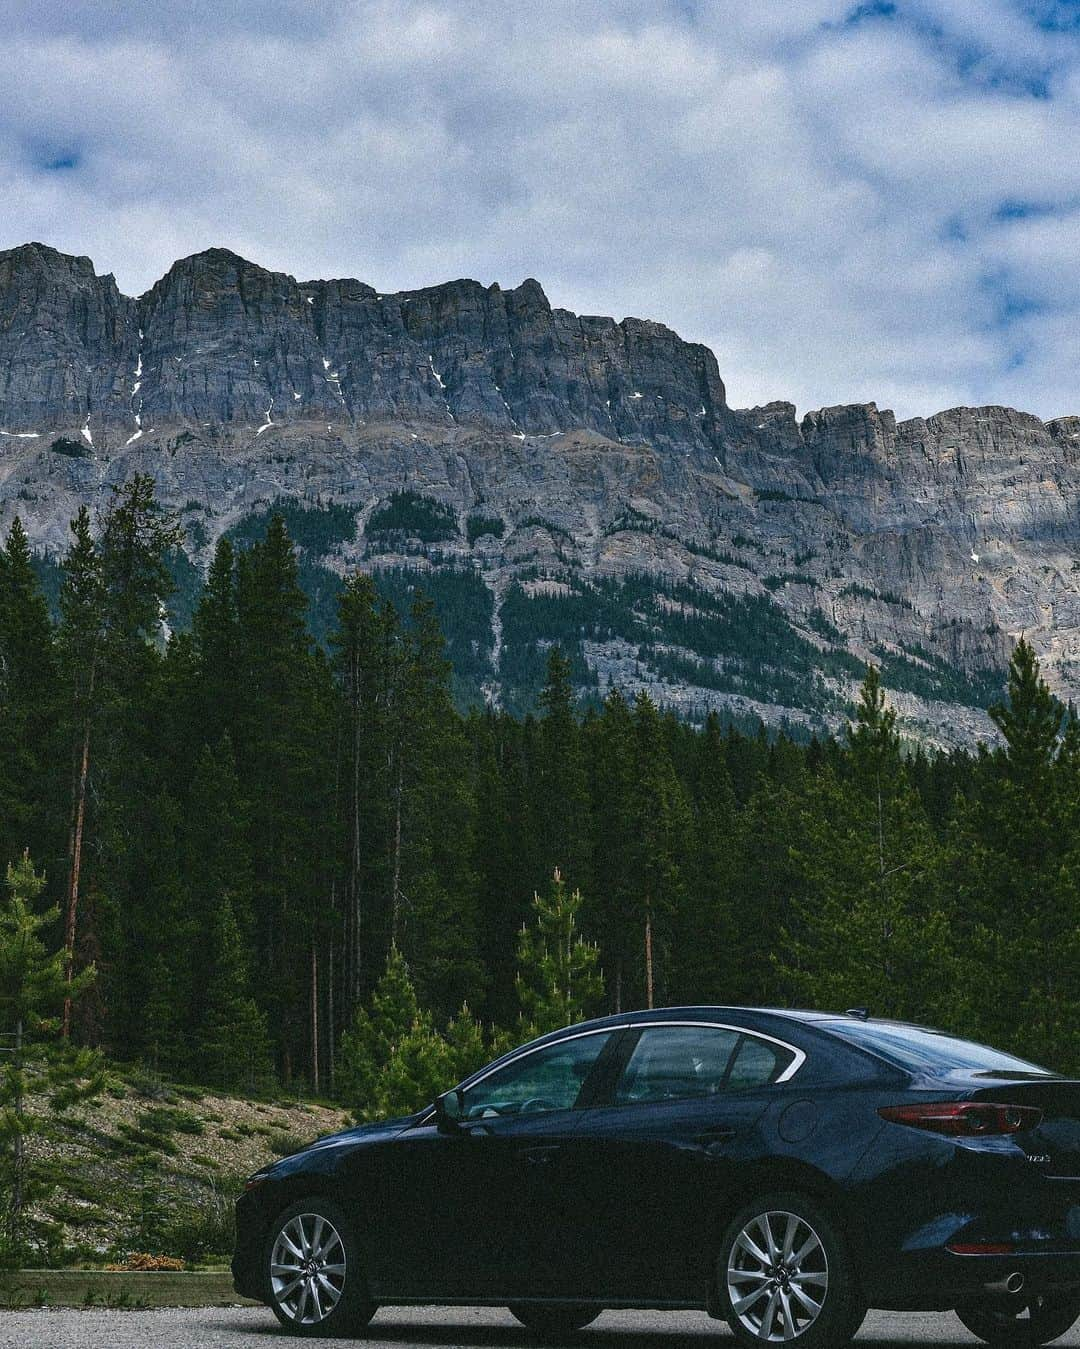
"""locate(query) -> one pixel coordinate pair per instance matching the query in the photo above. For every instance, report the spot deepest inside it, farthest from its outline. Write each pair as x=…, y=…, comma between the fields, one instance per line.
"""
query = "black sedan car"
x=783, y=1171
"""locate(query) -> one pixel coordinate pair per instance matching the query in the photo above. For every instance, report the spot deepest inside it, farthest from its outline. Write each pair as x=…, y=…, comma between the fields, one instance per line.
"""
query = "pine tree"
x=217, y=641
x=392, y=1060
x=433, y=901
x=708, y=958
x=468, y=1048
x=501, y=896
x=112, y=610
x=81, y=608
x=30, y=787
x=233, y=1043
x=1016, y=868
x=559, y=980
x=661, y=831
x=563, y=786
x=280, y=735
x=610, y=912
x=33, y=987
x=867, y=930
x=360, y=643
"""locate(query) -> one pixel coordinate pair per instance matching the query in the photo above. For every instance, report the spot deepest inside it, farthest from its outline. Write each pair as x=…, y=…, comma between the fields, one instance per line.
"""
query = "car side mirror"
x=450, y=1110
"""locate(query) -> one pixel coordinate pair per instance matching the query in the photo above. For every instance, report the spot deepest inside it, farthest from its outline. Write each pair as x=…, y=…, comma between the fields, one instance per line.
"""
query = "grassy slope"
x=153, y=1167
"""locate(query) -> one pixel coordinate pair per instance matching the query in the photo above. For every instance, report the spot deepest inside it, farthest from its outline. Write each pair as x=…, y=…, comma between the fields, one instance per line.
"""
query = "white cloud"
x=818, y=200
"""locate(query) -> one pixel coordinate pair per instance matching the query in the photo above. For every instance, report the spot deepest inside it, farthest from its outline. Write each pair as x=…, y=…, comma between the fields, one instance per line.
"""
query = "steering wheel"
x=535, y=1103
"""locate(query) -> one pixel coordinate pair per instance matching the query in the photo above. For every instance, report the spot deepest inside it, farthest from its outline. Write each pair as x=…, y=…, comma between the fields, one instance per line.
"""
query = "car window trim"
x=742, y=1032
x=798, y=1055
x=618, y=1031
x=500, y=1064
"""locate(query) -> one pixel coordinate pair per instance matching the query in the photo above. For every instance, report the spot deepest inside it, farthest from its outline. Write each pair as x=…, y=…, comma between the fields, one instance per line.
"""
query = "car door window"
x=545, y=1079
x=757, y=1063
x=673, y=1063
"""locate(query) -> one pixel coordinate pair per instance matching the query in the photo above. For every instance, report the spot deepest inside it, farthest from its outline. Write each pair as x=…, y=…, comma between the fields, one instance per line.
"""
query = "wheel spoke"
x=749, y=1276
x=789, y=1320
x=807, y=1301
x=751, y=1247
x=751, y=1299
x=332, y=1292
x=810, y=1276
x=291, y=1288
x=789, y=1235
x=306, y=1285
x=768, y=1321
x=774, y=1297
x=764, y=1225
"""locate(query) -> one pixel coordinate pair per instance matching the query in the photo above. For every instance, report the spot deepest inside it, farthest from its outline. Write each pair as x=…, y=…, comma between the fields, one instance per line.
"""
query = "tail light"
x=964, y=1119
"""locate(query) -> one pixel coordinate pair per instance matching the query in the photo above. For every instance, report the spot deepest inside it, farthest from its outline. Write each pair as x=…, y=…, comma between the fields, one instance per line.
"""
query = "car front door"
x=490, y=1209
x=656, y=1163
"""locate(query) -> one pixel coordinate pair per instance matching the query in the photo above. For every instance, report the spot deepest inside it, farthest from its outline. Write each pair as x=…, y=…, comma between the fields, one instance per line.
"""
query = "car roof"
x=698, y=1012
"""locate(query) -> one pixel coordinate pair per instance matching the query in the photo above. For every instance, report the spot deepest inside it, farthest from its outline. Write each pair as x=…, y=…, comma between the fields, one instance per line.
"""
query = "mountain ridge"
x=599, y=452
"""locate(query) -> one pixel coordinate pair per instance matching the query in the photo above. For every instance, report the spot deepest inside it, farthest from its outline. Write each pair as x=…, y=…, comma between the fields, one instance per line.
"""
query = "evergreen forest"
x=293, y=859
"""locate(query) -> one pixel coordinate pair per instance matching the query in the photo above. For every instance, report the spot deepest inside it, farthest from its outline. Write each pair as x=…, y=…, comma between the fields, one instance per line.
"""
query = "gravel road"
x=423, y=1328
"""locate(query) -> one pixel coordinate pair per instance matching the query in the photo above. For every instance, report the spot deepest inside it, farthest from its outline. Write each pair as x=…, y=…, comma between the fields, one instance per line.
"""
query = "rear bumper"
x=939, y=1280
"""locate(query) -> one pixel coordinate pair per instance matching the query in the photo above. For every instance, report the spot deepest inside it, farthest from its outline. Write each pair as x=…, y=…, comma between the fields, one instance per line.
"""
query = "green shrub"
x=203, y=1226
x=285, y=1143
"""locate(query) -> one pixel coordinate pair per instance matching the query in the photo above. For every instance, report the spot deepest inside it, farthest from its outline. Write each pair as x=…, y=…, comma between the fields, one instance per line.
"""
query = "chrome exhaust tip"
x=1011, y=1285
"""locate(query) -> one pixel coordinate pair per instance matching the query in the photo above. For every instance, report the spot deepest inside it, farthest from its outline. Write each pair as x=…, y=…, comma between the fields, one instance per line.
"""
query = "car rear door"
x=656, y=1161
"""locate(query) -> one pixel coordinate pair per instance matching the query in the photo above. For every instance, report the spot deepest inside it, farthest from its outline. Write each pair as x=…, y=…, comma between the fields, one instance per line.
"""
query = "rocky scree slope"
x=553, y=477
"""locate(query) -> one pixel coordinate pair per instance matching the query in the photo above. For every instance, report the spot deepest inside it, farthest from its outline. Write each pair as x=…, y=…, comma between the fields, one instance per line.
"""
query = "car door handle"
x=539, y=1156
x=721, y=1134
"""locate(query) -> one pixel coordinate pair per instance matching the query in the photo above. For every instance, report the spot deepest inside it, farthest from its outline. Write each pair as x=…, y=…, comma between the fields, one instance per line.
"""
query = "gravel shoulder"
x=423, y=1328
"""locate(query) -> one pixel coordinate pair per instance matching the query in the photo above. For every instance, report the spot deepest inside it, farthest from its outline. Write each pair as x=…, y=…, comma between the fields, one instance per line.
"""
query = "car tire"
x=1033, y=1323
x=312, y=1273
x=554, y=1318
x=784, y=1266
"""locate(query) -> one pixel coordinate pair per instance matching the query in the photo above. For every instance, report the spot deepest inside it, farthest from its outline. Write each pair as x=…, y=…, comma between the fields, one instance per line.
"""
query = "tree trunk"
x=395, y=888
x=355, y=972
x=314, y=1017
x=648, y=959
x=75, y=844
x=18, y=1171
x=330, y=1028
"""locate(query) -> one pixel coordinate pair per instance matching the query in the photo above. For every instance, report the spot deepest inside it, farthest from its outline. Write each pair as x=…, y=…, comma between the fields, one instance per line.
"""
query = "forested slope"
x=239, y=824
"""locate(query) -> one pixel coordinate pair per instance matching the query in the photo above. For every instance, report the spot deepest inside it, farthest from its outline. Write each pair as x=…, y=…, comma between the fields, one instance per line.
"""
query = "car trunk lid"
x=1054, y=1145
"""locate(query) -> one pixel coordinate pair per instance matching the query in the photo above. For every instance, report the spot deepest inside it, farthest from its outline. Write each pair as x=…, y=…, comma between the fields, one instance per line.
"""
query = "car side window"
x=547, y=1079
x=674, y=1063
x=757, y=1063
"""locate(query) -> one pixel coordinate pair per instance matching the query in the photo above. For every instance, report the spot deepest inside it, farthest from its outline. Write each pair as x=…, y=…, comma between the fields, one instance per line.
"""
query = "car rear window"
x=917, y=1048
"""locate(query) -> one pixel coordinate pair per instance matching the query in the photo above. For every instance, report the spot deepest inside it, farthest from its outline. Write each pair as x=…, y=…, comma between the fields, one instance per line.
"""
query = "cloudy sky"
x=847, y=201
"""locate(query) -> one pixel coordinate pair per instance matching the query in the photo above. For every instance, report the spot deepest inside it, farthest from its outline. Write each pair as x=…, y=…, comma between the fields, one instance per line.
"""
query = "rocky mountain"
x=552, y=477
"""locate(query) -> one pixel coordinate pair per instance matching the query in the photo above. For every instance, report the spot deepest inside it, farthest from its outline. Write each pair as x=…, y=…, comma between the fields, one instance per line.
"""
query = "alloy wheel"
x=307, y=1269
x=777, y=1276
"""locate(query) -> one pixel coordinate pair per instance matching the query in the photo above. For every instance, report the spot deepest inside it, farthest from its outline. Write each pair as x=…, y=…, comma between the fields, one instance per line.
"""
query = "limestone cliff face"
x=604, y=449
